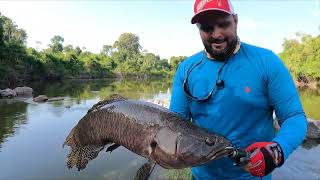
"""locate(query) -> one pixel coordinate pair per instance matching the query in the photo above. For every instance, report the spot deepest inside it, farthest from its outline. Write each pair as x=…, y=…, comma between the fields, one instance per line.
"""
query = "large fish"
x=146, y=129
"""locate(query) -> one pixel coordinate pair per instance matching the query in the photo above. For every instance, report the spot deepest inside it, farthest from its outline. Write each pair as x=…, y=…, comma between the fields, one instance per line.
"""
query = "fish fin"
x=110, y=99
x=80, y=156
x=112, y=147
x=69, y=139
x=145, y=171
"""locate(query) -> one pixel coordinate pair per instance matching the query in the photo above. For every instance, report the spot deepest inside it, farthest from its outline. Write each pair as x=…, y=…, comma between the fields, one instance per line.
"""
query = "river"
x=32, y=134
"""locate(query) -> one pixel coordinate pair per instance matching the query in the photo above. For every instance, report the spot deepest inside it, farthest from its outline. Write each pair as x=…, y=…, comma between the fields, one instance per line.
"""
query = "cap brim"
x=197, y=16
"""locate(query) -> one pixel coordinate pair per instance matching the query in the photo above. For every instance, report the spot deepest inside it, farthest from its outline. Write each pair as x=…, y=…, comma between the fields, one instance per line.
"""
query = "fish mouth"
x=223, y=153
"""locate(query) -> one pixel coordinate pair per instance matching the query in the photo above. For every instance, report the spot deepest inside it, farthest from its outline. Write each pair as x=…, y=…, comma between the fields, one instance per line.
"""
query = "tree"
x=119, y=56
x=164, y=65
x=302, y=57
x=78, y=50
x=175, y=60
x=56, y=43
x=13, y=56
x=11, y=33
x=68, y=49
x=129, y=43
x=1, y=31
x=106, y=49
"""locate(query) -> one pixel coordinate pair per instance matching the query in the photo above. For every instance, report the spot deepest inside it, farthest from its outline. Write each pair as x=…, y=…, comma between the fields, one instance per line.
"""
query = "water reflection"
x=12, y=116
x=310, y=143
x=311, y=102
x=89, y=89
x=303, y=163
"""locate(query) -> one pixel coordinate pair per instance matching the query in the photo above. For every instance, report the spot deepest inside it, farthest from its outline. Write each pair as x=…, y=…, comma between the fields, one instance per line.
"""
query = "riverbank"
x=302, y=84
x=116, y=77
x=307, y=84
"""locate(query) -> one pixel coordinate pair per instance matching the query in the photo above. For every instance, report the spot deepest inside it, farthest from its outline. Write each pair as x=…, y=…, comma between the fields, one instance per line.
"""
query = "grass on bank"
x=177, y=174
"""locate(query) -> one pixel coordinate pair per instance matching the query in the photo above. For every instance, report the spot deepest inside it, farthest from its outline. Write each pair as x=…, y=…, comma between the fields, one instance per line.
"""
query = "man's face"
x=218, y=32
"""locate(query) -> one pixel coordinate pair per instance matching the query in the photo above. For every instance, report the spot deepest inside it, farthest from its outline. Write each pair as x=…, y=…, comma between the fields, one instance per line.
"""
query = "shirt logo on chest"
x=247, y=89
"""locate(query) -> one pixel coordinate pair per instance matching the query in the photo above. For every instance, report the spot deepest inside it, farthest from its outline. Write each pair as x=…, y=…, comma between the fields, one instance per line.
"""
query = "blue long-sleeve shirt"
x=256, y=83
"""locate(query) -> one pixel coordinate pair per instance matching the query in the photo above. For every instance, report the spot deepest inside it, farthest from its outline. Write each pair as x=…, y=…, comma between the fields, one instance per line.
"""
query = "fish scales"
x=115, y=125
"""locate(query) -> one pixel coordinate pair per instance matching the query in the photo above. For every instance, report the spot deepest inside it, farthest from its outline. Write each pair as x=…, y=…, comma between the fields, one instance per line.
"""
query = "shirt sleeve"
x=179, y=101
x=283, y=97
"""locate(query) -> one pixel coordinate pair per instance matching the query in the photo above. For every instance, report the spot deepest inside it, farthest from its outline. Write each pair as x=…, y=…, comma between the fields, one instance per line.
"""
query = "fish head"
x=199, y=148
x=176, y=149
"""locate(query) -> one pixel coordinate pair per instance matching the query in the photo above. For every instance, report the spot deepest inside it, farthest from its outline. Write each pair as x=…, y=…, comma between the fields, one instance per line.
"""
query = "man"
x=232, y=88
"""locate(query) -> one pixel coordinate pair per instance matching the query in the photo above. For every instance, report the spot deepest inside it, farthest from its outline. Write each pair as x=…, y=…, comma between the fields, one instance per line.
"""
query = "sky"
x=163, y=26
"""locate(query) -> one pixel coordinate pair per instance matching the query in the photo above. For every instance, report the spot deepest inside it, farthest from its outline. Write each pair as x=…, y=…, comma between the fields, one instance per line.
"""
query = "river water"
x=32, y=134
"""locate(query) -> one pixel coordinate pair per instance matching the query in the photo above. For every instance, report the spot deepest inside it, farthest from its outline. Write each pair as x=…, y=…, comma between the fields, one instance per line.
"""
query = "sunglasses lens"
x=205, y=27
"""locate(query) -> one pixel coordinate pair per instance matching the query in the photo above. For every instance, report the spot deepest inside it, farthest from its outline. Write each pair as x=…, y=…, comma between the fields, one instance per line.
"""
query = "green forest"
x=124, y=58
x=302, y=57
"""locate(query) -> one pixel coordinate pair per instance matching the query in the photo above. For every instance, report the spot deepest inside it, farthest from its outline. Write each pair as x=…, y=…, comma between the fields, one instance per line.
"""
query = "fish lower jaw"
x=221, y=153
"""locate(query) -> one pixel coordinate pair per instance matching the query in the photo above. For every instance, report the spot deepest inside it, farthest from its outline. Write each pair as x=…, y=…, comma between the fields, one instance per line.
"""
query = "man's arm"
x=284, y=99
x=179, y=101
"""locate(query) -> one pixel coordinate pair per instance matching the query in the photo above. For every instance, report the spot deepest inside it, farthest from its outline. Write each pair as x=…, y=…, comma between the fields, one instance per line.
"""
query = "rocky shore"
x=18, y=91
x=26, y=92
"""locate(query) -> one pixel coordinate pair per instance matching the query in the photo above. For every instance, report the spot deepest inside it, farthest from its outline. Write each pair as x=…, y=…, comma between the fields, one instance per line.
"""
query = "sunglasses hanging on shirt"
x=219, y=83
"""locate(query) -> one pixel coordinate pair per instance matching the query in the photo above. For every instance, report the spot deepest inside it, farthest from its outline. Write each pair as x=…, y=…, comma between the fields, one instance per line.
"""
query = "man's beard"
x=222, y=54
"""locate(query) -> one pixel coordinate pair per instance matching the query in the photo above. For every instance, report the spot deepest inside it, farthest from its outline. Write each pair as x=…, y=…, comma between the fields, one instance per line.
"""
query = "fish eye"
x=209, y=142
x=153, y=144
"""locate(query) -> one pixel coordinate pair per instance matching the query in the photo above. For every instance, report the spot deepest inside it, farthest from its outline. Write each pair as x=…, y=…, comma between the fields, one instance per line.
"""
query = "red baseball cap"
x=205, y=6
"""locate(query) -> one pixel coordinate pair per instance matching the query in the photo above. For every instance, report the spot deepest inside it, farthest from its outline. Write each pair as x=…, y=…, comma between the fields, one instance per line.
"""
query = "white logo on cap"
x=202, y=3
x=219, y=2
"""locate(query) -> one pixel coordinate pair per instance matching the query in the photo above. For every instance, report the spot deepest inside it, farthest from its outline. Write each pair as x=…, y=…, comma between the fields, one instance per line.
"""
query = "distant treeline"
x=124, y=58
x=302, y=57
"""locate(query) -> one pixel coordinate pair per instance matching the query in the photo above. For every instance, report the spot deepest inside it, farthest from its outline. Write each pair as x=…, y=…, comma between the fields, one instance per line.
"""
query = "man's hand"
x=264, y=158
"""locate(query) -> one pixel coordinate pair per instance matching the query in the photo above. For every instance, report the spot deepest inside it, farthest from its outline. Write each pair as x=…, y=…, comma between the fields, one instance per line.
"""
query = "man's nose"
x=216, y=32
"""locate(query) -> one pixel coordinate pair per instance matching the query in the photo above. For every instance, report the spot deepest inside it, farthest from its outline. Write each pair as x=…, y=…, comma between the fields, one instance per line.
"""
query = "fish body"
x=146, y=129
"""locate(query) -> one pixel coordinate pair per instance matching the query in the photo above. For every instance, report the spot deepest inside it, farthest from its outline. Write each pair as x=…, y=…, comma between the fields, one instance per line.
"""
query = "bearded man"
x=232, y=88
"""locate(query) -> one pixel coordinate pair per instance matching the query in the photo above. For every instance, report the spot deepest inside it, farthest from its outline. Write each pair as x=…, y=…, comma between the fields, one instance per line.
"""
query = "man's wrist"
x=278, y=157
